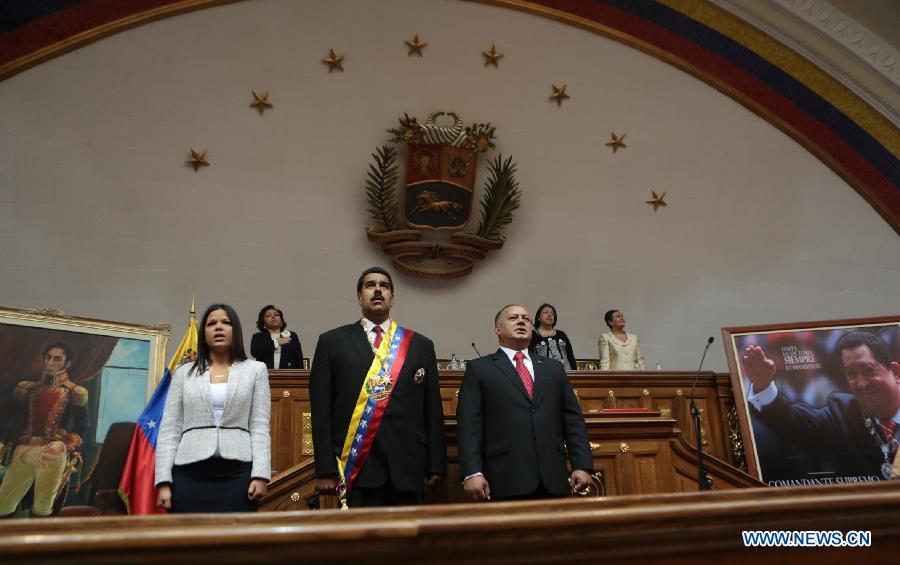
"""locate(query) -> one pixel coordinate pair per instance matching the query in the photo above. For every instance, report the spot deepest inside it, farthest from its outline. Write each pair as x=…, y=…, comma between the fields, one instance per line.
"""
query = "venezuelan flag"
x=136, y=487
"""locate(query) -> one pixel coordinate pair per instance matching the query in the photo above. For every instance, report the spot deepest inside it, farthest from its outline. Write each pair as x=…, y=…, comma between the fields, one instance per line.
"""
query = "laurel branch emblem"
x=438, y=194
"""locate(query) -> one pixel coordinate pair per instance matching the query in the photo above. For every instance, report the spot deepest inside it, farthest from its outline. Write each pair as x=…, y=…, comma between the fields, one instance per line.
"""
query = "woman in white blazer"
x=619, y=350
x=213, y=448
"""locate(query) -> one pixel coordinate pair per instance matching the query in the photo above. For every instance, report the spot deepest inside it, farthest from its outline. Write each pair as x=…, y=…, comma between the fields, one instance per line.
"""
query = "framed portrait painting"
x=818, y=401
x=64, y=381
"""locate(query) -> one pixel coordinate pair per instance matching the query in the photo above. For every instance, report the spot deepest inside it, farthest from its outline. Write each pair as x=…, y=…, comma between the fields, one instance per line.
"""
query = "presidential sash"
x=371, y=404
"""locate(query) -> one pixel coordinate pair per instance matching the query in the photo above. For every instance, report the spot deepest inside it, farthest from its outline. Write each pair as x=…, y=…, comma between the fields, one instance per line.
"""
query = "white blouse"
x=219, y=394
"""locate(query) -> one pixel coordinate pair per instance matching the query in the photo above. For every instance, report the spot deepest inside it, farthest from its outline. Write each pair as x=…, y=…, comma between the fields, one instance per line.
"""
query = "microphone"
x=703, y=481
x=476, y=349
x=697, y=378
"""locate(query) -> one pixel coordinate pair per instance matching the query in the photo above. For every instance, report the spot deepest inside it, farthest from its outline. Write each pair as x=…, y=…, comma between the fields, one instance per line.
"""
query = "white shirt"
x=896, y=418
x=369, y=324
x=276, y=359
x=527, y=361
x=219, y=394
x=764, y=397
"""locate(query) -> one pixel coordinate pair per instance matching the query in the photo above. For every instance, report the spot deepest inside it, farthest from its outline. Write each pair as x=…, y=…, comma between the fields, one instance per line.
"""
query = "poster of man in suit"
x=823, y=403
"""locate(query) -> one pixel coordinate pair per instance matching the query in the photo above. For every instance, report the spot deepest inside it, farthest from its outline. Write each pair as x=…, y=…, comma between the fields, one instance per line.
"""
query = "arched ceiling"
x=849, y=135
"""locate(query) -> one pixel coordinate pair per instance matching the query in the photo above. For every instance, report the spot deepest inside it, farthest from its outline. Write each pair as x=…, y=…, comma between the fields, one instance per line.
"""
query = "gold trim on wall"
x=868, y=117
x=703, y=11
x=306, y=441
x=52, y=319
x=78, y=40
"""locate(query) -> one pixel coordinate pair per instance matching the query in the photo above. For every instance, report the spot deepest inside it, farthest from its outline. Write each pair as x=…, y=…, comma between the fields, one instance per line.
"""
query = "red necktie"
x=524, y=374
x=377, y=342
x=888, y=427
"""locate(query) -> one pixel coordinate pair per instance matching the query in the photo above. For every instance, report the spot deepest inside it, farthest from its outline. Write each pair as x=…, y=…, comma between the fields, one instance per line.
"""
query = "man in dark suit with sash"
x=378, y=422
x=518, y=420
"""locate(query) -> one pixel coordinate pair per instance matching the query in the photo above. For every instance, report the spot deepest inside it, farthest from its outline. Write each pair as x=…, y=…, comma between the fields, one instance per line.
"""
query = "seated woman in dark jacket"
x=275, y=346
x=550, y=342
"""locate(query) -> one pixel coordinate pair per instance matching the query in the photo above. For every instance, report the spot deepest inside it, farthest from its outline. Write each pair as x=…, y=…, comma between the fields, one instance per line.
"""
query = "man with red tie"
x=518, y=420
x=378, y=421
x=858, y=430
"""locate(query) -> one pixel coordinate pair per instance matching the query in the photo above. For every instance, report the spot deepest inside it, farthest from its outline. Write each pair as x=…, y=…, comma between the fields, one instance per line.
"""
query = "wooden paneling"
x=291, y=444
x=636, y=454
x=665, y=392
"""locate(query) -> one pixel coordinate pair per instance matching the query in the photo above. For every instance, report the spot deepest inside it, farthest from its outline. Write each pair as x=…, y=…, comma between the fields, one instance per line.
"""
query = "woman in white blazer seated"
x=213, y=448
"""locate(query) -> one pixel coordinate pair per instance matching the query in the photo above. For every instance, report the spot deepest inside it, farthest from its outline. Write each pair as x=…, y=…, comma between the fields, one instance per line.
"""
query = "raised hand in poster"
x=759, y=368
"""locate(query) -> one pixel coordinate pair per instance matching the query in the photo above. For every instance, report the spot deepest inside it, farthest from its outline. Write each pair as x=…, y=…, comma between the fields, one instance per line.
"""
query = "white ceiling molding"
x=833, y=41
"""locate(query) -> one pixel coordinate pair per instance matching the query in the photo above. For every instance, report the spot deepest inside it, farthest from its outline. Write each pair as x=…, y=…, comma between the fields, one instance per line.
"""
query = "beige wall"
x=99, y=217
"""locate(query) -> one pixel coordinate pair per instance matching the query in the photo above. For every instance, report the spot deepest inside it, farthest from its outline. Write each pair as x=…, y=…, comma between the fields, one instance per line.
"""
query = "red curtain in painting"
x=20, y=357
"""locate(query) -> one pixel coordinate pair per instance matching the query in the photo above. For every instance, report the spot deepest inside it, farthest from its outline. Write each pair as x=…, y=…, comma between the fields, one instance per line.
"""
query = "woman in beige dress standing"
x=619, y=350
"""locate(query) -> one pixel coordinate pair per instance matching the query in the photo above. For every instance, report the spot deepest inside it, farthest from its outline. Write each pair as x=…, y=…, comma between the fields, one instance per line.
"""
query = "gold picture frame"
x=104, y=372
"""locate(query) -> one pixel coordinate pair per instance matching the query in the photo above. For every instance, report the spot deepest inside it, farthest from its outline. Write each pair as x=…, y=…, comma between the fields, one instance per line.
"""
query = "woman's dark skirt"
x=212, y=485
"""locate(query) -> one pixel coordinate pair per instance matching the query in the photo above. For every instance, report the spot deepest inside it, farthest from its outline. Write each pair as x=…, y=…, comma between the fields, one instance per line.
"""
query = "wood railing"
x=670, y=528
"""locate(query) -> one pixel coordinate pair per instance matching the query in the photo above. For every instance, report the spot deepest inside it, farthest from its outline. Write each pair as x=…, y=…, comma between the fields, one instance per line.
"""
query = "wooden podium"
x=642, y=450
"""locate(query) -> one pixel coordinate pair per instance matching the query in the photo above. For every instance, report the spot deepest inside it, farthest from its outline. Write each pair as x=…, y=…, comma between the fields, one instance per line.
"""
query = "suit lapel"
x=540, y=377
x=361, y=344
x=202, y=381
x=505, y=366
x=234, y=381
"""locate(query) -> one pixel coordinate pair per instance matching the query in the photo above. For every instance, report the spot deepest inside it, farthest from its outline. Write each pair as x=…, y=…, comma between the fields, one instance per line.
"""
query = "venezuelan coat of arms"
x=421, y=225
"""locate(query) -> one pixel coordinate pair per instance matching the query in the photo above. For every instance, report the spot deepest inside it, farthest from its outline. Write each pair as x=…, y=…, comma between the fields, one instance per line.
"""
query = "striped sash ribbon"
x=373, y=399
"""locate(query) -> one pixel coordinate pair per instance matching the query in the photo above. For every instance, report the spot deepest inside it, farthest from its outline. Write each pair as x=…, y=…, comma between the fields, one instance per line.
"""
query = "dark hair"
x=878, y=346
x=237, y=338
x=261, y=319
x=500, y=313
x=369, y=271
x=67, y=349
x=608, y=316
x=537, y=314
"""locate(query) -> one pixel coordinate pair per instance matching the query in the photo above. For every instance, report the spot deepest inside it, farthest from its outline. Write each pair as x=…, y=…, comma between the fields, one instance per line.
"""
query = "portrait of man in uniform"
x=53, y=410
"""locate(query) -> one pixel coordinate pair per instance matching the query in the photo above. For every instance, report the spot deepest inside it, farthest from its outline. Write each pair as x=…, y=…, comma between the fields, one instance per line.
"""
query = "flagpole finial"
x=193, y=296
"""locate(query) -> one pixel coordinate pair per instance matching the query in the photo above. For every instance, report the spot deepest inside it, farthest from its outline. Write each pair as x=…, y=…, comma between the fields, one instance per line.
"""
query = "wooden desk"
x=666, y=392
x=640, y=454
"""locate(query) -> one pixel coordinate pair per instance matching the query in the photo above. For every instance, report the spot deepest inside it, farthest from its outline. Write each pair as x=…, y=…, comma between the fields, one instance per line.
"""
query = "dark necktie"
x=377, y=343
x=519, y=358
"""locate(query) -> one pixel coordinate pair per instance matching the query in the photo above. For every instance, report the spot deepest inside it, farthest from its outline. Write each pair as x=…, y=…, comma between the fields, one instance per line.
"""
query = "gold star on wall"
x=334, y=61
x=616, y=141
x=415, y=46
x=261, y=102
x=559, y=94
x=657, y=200
x=198, y=159
x=492, y=57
